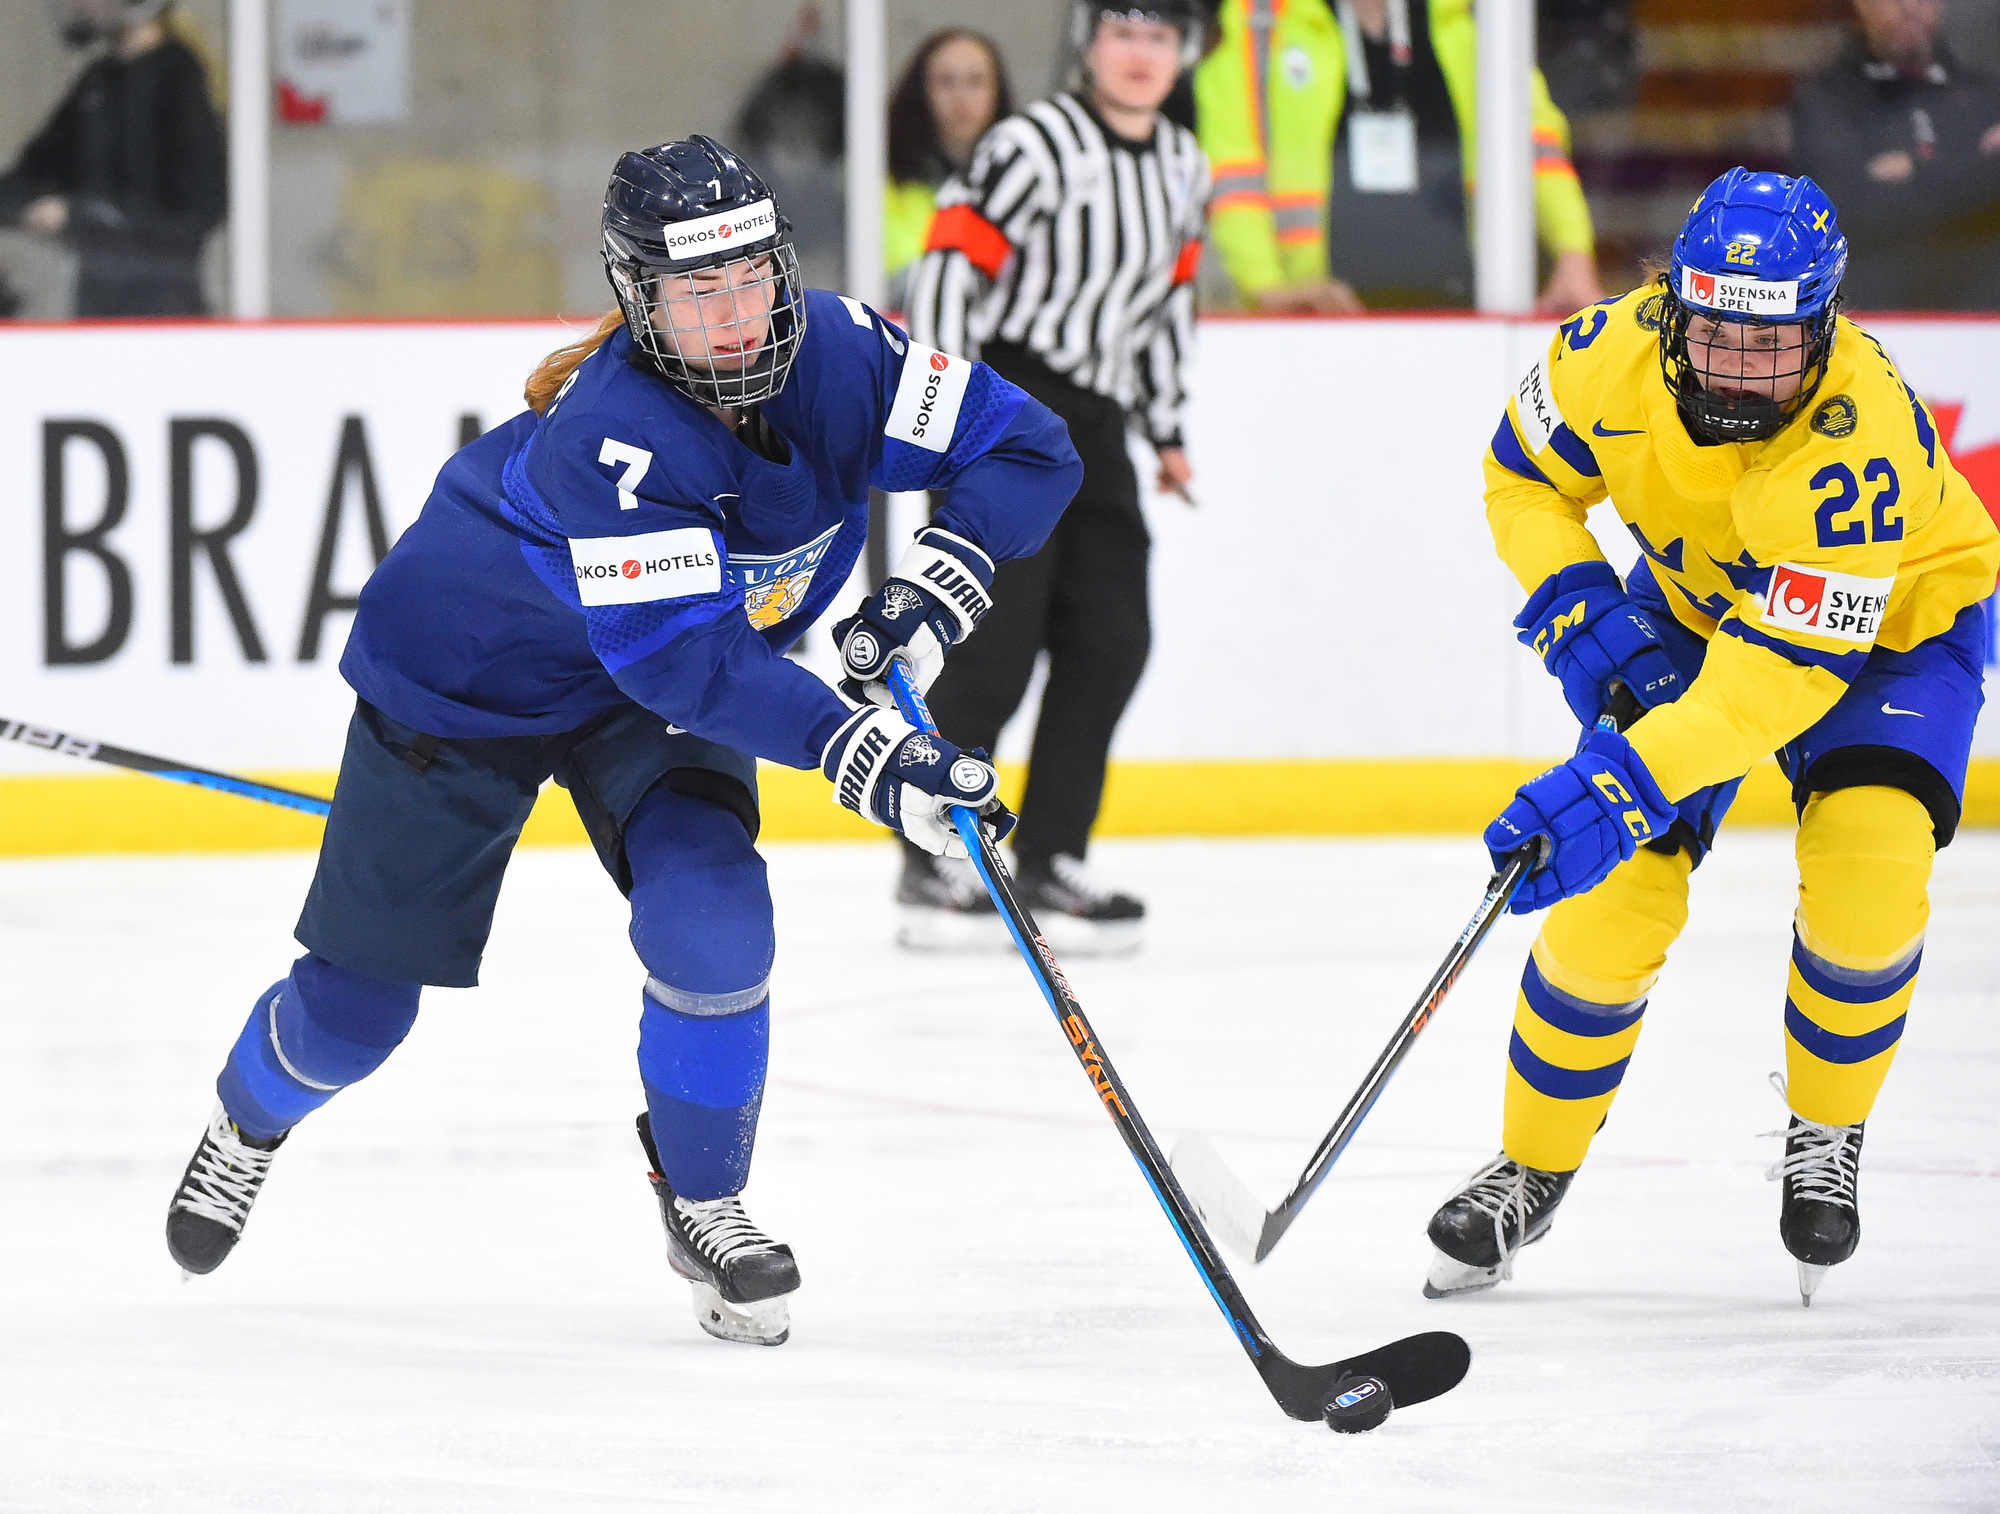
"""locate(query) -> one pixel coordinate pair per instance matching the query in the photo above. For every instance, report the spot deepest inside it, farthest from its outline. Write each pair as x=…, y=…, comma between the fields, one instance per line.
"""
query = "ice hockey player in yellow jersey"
x=1810, y=583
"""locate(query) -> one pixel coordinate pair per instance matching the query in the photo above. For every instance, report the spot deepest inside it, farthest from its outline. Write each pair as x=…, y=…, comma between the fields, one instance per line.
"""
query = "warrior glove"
x=937, y=594
x=1587, y=632
x=1591, y=812
x=886, y=770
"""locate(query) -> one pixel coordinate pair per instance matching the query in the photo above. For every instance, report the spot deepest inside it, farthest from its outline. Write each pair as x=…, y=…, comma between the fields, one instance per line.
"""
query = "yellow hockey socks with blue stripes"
x=1583, y=994
x=1864, y=874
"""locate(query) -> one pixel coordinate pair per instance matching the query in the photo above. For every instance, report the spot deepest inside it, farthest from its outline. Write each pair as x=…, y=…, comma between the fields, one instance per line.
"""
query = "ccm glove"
x=1595, y=810
x=937, y=594
x=1587, y=632
x=886, y=770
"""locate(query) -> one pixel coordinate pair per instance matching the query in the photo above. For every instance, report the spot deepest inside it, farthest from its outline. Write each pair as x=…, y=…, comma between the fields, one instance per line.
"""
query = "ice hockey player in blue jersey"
x=602, y=591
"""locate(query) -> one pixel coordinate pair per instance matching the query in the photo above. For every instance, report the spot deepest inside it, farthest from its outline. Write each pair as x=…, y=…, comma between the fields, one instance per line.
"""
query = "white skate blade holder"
x=1449, y=1277
x=768, y=1322
x=1810, y=1278
x=1089, y=938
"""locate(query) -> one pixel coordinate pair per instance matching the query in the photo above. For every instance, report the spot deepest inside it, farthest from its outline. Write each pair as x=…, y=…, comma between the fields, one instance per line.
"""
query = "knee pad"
x=1865, y=859
x=1608, y=946
x=701, y=905
x=312, y=1033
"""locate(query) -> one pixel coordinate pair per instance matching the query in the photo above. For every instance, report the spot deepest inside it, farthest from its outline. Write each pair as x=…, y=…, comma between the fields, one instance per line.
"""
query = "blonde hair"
x=554, y=370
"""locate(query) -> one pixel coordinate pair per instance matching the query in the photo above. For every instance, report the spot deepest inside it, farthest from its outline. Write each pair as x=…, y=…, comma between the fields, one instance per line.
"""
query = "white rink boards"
x=454, y=1295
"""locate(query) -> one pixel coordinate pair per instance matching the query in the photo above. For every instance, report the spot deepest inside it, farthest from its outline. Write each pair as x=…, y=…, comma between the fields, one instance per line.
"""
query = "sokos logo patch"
x=633, y=570
x=687, y=240
x=925, y=413
x=1838, y=605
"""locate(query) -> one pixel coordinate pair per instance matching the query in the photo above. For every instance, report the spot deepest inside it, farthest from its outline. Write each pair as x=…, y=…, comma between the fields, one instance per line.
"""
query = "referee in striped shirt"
x=1066, y=260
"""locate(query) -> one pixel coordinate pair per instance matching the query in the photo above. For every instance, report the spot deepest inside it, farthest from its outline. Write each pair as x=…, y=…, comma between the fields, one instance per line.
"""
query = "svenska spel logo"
x=1799, y=596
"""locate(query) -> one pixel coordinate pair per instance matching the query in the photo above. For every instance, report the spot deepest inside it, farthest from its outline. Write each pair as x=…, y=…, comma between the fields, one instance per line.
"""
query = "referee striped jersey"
x=1080, y=246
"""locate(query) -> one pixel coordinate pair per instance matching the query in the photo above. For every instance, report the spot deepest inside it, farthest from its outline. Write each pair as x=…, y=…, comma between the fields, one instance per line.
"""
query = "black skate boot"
x=1079, y=915
x=212, y=1204
x=743, y=1280
x=942, y=906
x=1503, y=1207
x=1820, y=1219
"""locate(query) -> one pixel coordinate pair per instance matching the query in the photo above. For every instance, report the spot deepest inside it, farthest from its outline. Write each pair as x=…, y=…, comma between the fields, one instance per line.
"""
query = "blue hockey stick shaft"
x=64, y=744
x=1416, y=1368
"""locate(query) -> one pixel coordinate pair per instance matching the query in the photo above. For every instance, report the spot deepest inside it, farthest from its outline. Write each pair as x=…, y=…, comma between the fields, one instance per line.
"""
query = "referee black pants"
x=1082, y=599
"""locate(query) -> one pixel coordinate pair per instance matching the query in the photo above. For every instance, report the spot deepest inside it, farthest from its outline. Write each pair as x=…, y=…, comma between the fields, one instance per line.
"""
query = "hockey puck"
x=1357, y=1404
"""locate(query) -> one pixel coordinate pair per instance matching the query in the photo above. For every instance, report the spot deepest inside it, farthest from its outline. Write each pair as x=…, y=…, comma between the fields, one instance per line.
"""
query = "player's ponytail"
x=553, y=370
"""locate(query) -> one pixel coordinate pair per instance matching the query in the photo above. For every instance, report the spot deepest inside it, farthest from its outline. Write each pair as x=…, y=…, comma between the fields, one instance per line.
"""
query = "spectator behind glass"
x=128, y=171
x=954, y=88
x=1347, y=183
x=1907, y=143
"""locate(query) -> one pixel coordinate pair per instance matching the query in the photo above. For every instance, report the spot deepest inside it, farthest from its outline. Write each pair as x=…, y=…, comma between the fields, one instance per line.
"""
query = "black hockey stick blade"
x=64, y=744
x=1413, y=1370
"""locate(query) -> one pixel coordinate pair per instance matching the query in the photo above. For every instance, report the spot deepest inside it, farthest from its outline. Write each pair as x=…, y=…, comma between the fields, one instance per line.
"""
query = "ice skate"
x=1503, y=1207
x=205, y=1220
x=1080, y=916
x=743, y=1280
x=942, y=906
x=1820, y=1217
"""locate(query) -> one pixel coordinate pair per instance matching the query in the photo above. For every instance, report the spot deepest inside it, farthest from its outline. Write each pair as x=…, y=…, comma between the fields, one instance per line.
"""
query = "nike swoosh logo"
x=1597, y=429
x=1890, y=709
x=719, y=498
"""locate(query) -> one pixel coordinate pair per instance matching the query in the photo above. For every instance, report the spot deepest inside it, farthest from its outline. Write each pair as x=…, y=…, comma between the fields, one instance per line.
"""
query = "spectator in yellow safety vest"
x=1343, y=139
x=954, y=88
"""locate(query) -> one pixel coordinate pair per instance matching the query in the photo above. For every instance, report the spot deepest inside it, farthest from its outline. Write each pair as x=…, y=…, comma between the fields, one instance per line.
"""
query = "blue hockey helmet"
x=703, y=265
x=1759, y=250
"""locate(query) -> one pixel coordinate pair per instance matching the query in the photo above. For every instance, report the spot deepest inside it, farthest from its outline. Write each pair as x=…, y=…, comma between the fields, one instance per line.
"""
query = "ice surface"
x=454, y=1293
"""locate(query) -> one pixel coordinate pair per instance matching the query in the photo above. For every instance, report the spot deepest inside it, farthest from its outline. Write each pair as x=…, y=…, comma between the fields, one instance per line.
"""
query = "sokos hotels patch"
x=1838, y=605
x=636, y=570
x=926, y=409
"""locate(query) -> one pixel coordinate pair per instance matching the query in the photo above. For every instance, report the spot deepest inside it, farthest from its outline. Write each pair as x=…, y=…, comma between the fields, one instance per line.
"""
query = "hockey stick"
x=66, y=745
x=1223, y=1198
x=1226, y=1202
x=1413, y=1369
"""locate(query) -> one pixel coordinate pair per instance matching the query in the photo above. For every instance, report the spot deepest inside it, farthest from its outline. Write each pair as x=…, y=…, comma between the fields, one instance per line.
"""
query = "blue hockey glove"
x=885, y=769
x=1596, y=810
x=1587, y=632
x=929, y=604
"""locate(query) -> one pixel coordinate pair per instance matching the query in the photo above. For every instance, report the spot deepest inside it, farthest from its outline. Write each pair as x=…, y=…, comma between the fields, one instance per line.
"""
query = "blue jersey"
x=628, y=546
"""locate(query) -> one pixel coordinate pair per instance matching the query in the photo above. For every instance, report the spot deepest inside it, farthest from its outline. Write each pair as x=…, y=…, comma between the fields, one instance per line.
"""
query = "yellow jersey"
x=1793, y=557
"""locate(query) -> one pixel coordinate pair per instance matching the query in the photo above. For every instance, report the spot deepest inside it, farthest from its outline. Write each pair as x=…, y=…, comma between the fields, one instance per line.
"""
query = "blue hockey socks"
x=314, y=1031
x=701, y=922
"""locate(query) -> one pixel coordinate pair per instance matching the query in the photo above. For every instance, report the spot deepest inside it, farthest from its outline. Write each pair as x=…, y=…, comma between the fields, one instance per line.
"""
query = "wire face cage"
x=726, y=332
x=1739, y=378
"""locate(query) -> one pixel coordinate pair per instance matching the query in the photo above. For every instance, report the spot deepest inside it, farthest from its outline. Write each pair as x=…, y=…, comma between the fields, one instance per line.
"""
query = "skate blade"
x=768, y=1322
x=1810, y=1278
x=1449, y=1277
x=1071, y=937
x=922, y=929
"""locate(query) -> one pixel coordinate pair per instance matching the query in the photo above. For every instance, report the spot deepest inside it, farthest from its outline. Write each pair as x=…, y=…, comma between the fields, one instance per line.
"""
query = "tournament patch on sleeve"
x=636, y=570
x=1820, y=603
x=1535, y=404
x=925, y=411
